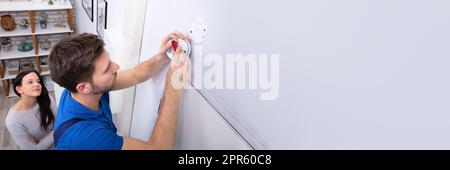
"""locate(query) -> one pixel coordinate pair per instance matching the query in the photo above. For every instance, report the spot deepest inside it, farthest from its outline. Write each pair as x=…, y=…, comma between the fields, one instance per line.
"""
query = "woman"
x=30, y=120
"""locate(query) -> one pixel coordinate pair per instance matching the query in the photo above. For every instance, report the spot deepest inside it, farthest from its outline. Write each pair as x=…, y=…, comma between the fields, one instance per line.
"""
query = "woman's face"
x=31, y=86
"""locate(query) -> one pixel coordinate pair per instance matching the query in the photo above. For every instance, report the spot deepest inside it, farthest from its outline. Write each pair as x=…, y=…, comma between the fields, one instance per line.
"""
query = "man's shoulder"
x=63, y=99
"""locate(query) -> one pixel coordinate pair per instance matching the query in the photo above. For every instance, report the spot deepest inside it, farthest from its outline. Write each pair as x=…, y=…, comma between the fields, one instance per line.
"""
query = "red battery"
x=174, y=45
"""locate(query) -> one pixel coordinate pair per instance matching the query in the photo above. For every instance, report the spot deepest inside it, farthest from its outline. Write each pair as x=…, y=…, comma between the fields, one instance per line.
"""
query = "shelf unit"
x=33, y=31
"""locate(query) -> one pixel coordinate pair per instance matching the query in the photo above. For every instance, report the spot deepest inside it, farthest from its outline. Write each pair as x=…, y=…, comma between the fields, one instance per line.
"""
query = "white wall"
x=354, y=74
x=84, y=24
x=201, y=127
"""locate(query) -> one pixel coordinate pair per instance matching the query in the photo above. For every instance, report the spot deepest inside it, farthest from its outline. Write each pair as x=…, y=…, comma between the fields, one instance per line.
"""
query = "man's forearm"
x=140, y=73
x=165, y=129
x=151, y=67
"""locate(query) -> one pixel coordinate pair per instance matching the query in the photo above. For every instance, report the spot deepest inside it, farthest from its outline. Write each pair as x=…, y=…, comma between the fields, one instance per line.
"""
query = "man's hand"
x=166, y=43
x=32, y=140
x=179, y=69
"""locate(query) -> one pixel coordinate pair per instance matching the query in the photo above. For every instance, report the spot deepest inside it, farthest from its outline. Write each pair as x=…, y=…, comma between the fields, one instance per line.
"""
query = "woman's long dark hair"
x=43, y=100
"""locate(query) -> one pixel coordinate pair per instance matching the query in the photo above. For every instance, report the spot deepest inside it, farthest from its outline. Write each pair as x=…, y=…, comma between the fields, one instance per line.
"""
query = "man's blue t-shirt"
x=97, y=132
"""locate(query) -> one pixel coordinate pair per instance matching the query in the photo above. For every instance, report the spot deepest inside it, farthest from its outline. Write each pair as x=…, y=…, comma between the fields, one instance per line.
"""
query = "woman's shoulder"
x=12, y=116
x=17, y=115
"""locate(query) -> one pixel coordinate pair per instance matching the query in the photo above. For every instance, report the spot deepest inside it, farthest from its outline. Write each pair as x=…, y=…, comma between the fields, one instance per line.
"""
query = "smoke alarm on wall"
x=198, y=30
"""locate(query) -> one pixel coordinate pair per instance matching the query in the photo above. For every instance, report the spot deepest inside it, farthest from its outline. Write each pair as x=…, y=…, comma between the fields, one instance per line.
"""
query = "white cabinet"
x=60, y=23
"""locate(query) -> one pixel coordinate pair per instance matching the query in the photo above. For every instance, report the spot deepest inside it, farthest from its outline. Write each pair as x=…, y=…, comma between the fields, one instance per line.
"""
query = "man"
x=83, y=67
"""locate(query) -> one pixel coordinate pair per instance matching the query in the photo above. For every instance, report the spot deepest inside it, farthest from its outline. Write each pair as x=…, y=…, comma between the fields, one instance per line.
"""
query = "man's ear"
x=83, y=88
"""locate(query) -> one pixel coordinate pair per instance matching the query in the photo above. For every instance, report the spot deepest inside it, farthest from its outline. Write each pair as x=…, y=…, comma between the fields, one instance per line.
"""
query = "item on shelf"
x=24, y=23
x=45, y=44
x=26, y=65
x=44, y=61
x=6, y=44
x=60, y=22
x=60, y=26
x=44, y=68
x=13, y=67
x=25, y=46
x=50, y=2
x=13, y=72
x=7, y=22
x=44, y=20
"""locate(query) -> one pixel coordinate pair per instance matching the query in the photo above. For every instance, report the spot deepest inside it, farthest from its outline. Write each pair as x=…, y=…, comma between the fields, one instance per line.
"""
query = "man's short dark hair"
x=72, y=60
